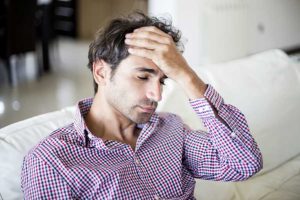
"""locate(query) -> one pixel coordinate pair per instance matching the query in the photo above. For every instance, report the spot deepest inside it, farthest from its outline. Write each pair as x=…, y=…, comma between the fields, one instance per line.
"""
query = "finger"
x=151, y=36
x=141, y=52
x=143, y=43
x=152, y=29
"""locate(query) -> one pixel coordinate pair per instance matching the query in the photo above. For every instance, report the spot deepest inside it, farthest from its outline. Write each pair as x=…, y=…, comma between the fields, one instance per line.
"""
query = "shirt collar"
x=83, y=107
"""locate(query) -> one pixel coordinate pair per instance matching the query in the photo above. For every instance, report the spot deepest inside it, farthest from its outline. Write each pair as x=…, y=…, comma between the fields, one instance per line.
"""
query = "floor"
x=69, y=81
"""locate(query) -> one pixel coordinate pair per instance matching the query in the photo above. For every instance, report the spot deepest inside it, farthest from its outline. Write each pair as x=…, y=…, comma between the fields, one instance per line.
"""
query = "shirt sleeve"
x=40, y=181
x=226, y=152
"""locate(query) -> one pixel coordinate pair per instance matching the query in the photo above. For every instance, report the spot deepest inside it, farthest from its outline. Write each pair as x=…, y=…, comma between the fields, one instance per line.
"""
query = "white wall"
x=220, y=30
x=187, y=19
x=281, y=19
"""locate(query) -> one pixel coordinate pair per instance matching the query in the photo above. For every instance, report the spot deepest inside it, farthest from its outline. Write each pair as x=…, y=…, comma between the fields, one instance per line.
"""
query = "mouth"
x=147, y=109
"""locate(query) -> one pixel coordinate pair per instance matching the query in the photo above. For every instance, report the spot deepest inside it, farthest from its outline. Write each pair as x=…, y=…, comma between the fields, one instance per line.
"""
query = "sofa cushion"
x=280, y=183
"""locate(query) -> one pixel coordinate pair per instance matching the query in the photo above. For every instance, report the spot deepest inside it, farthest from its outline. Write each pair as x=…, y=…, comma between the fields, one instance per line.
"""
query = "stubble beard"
x=130, y=112
x=141, y=117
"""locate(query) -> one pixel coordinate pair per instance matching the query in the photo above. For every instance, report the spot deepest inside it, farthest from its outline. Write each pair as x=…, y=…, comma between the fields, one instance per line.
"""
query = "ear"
x=101, y=72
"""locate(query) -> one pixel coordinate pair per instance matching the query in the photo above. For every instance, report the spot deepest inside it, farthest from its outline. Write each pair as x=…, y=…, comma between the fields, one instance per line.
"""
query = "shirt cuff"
x=202, y=105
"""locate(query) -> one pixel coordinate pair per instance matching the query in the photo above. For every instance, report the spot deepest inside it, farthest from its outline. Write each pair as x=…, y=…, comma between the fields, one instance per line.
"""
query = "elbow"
x=251, y=168
x=251, y=172
x=243, y=170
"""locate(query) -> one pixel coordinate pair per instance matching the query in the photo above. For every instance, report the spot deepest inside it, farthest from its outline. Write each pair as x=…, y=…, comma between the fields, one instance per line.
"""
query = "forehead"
x=136, y=63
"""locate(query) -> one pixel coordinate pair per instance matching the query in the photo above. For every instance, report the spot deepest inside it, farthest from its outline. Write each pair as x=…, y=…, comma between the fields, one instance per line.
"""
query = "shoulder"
x=168, y=116
x=169, y=119
x=57, y=141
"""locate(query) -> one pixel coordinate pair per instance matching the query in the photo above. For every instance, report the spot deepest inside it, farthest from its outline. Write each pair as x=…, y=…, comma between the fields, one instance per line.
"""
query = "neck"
x=106, y=122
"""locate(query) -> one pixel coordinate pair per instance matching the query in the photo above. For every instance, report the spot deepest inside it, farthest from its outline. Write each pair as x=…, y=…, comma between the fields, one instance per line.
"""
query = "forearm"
x=191, y=83
x=229, y=143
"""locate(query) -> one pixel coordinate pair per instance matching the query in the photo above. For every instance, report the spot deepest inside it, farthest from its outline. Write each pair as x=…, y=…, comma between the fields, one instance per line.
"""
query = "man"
x=119, y=148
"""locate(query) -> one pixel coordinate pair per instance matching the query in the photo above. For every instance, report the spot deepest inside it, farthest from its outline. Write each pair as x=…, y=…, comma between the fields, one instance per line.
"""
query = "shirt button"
x=137, y=161
x=203, y=109
x=233, y=134
x=156, y=197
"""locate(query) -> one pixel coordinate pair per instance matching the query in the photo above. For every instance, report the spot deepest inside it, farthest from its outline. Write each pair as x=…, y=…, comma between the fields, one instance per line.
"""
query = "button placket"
x=233, y=134
x=137, y=161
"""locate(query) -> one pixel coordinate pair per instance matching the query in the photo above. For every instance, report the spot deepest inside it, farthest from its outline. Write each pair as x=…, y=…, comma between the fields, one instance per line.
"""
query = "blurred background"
x=44, y=43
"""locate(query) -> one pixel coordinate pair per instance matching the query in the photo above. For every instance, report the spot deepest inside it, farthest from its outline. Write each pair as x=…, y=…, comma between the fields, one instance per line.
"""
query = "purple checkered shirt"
x=71, y=163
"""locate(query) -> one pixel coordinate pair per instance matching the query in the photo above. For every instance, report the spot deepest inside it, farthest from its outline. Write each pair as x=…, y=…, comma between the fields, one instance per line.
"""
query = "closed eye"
x=143, y=78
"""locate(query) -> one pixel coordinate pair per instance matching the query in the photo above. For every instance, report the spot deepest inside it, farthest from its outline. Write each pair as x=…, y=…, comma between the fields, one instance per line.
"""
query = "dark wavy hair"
x=109, y=45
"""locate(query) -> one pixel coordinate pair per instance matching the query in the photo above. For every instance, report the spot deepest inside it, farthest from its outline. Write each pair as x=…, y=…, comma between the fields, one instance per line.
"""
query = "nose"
x=154, y=91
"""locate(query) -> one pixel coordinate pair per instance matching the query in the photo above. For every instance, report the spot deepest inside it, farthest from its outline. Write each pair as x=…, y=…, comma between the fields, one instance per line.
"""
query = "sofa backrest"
x=266, y=88
x=17, y=139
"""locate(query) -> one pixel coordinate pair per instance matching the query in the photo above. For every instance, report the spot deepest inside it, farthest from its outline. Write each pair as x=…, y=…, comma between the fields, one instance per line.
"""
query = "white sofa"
x=266, y=87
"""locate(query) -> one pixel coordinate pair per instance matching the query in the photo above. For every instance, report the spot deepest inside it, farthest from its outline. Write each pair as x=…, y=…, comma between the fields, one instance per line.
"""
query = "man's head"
x=109, y=45
x=131, y=86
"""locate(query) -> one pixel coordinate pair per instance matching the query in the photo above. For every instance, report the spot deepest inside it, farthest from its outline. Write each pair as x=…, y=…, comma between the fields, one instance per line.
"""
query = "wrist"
x=193, y=86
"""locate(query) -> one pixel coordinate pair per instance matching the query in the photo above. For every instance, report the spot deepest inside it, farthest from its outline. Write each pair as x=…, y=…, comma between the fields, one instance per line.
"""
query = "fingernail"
x=128, y=35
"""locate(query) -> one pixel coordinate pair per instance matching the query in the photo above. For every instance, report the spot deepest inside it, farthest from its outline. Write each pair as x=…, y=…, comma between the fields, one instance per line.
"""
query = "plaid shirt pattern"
x=71, y=163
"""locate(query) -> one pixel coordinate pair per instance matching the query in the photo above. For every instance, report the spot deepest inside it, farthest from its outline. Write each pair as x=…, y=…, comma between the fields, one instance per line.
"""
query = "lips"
x=147, y=109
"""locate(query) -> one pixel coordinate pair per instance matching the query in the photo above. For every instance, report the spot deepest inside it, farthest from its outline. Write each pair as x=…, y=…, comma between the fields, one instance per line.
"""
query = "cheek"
x=122, y=95
x=127, y=90
x=135, y=87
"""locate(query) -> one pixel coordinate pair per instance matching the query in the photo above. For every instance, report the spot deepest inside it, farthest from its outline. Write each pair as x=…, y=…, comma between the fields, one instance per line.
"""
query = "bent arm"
x=227, y=151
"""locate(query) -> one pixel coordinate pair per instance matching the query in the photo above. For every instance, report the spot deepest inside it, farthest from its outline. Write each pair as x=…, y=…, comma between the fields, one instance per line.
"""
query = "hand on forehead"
x=152, y=43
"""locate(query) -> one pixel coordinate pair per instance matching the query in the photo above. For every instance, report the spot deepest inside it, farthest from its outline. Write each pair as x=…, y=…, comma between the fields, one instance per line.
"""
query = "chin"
x=143, y=119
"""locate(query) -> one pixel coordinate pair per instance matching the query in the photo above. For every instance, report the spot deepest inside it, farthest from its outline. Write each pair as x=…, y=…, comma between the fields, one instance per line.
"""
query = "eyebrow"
x=149, y=70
